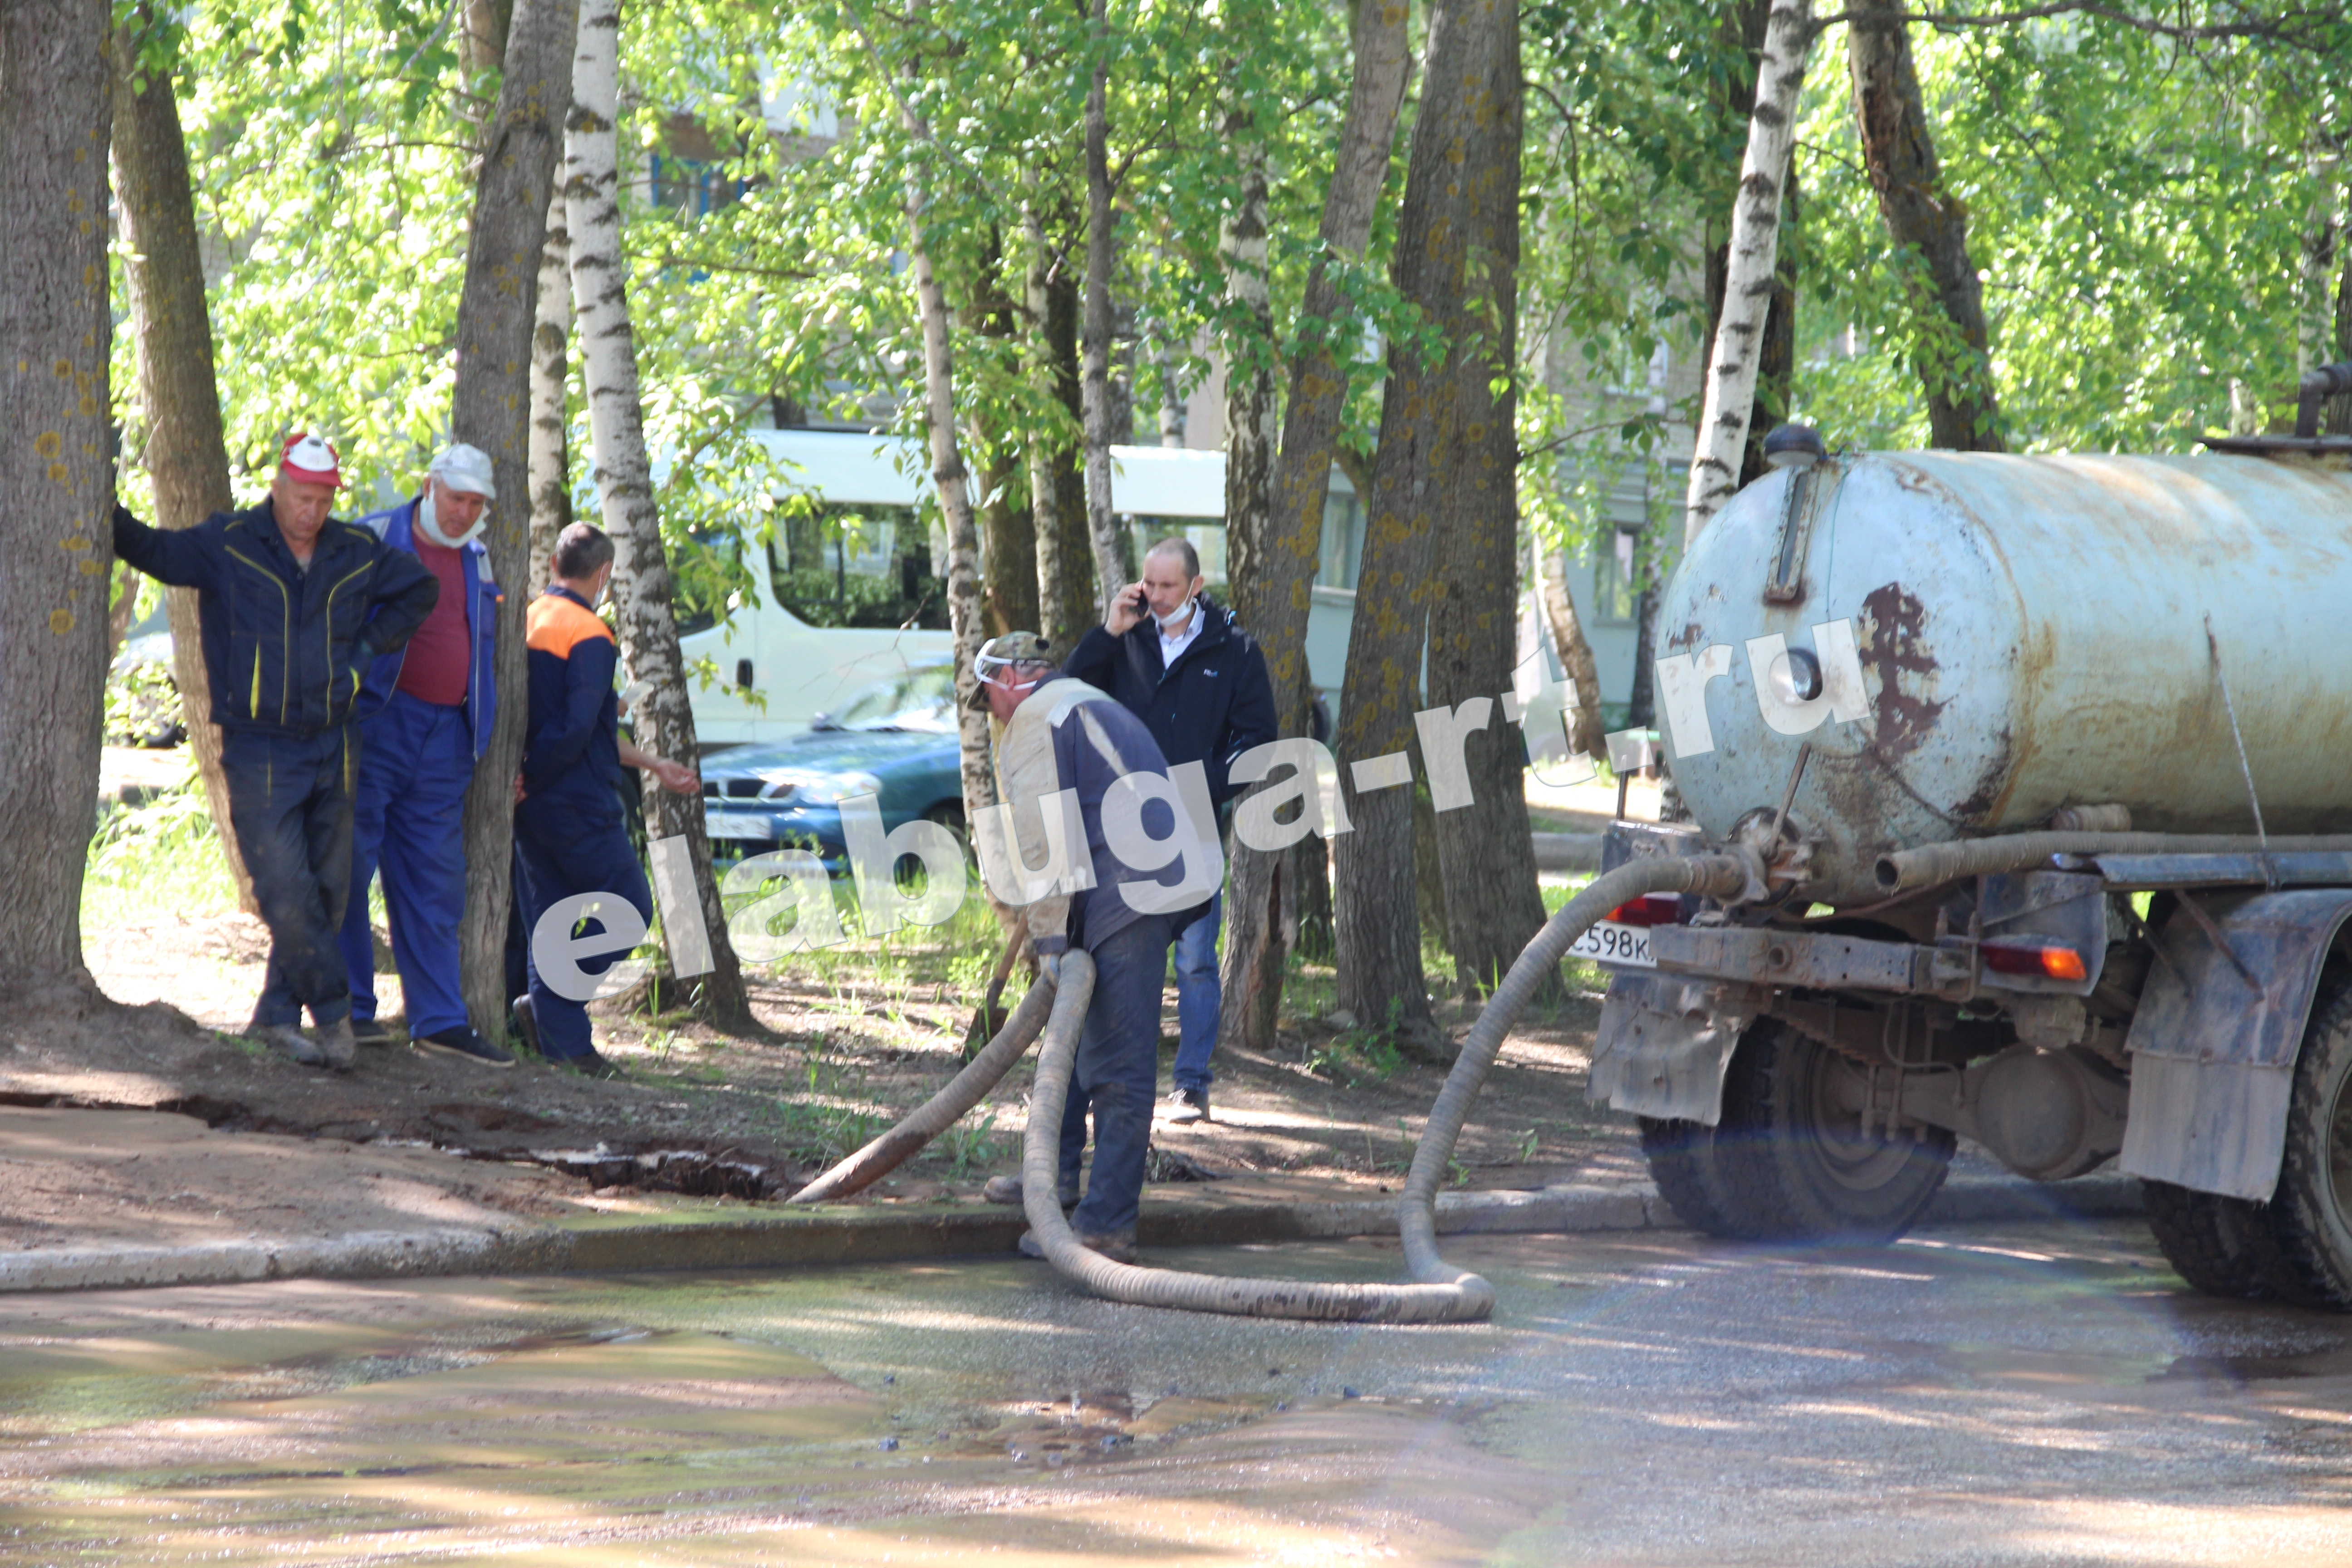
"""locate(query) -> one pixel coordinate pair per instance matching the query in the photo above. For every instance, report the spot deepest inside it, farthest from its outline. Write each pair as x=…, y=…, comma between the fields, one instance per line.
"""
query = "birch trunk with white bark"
x=950, y=478
x=1095, y=371
x=1575, y=652
x=1732, y=362
x=550, y=423
x=642, y=593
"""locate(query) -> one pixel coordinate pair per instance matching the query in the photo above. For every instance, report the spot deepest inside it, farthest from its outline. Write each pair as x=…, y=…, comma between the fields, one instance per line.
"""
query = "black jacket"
x=1216, y=703
x=285, y=647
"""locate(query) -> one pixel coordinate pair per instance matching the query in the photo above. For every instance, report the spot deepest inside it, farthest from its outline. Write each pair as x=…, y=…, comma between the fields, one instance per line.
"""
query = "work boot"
x=464, y=1044
x=370, y=1032
x=587, y=1064
x=1120, y=1248
x=287, y=1041
x=1186, y=1106
x=1006, y=1190
x=336, y=1044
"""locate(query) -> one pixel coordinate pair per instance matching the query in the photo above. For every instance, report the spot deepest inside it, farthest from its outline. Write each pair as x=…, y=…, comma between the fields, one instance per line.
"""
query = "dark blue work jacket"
x=1214, y=703
x=571, y=751
x=284, y=645
x=397, y=528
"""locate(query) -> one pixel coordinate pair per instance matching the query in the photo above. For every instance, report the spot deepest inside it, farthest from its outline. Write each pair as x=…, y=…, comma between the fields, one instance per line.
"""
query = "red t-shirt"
x=439, y=655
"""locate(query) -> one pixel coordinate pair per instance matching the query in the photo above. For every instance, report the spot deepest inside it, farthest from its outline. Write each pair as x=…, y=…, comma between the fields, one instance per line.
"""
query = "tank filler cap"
x=1794, y=447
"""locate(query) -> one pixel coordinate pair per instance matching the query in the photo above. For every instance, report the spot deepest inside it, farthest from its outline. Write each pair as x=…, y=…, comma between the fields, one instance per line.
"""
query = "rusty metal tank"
x=1970, y=642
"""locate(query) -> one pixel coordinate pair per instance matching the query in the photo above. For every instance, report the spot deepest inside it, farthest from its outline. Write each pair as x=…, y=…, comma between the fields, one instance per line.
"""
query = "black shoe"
x=1118, y=1248
x=370, y=1032
x=465, y=1044
x=1186, y=1106
x=526, y=1022
x=588, y=1064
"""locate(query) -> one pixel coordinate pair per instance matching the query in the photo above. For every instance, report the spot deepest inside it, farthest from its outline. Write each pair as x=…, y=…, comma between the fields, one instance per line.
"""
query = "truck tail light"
x=1650, y=910
x=2050, y=962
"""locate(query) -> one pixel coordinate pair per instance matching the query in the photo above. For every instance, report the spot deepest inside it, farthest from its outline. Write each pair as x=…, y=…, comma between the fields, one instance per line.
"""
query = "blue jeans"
x=289, y=805
x=1116, y=1072
x=409, y=817
x=1198, y=998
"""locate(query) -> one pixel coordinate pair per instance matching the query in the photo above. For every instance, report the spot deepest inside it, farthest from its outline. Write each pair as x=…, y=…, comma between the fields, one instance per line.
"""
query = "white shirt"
x=1172, y=647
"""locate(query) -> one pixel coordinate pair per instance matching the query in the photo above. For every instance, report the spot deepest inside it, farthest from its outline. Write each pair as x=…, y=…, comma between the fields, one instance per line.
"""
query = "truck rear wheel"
x=2311, y=1213
x=1682, y=1157
x=1793, y=1146
x=2219, y=1245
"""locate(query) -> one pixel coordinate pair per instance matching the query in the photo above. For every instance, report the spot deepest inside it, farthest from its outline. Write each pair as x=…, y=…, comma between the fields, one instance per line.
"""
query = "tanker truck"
x=2040, y=769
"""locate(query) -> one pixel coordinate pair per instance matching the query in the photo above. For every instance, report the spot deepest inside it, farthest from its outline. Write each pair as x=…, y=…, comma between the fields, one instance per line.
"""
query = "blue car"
x=895, y=738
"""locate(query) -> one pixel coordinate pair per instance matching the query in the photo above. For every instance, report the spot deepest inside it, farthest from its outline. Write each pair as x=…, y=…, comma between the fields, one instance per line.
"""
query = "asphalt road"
x=2031, y=1394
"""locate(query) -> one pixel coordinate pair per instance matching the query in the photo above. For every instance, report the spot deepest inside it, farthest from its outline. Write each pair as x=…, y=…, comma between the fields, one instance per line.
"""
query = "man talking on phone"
x=1176, y=660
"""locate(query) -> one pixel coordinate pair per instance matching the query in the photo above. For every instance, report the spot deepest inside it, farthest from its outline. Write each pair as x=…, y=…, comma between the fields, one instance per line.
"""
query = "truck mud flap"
x=1663, y=1045
x=2214, y=1043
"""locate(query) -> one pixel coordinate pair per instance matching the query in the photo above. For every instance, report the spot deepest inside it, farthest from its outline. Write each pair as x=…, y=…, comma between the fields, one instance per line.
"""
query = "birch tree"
x=179, y=394
x=1729, y=395
x=948, y=477
x=551, y=415
x=56, y=488
x=643, y=622
x=1094, y=347
x=1272, y=569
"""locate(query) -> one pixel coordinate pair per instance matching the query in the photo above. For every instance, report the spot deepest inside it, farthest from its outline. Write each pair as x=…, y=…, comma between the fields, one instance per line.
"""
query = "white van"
x=867, y=545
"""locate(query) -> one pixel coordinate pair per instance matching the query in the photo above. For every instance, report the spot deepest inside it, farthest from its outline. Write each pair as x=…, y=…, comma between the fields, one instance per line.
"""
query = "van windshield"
x=921, y=699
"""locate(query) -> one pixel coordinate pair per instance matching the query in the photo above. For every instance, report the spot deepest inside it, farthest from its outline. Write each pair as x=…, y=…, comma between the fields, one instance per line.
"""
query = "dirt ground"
x=839, y=1056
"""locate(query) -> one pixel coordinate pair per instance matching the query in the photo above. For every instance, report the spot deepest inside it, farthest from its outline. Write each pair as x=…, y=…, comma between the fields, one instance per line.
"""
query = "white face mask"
x=429, y=525
x=1174, y=618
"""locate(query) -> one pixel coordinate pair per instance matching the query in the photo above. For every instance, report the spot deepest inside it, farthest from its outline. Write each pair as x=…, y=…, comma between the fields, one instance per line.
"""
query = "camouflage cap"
x=1001, y=652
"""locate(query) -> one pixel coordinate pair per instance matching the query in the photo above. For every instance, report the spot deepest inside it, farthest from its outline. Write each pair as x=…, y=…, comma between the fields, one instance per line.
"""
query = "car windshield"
x=920, y=700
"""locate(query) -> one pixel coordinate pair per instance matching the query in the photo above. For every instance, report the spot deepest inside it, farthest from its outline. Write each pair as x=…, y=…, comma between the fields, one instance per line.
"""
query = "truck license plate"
x=1611, y=942
x=735, y=825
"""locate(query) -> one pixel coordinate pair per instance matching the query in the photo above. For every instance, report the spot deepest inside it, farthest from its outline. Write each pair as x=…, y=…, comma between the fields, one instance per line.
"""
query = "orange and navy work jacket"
x=571, y=753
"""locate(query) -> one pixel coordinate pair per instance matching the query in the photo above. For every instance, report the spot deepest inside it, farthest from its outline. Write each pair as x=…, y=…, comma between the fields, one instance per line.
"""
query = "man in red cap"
x=294, y=606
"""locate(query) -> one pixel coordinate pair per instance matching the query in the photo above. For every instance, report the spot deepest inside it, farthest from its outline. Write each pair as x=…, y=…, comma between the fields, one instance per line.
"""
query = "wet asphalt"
x=2031, y=1394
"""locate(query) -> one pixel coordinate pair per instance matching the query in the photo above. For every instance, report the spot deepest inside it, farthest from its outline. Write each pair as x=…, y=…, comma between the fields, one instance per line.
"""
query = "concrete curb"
x=846, y=1234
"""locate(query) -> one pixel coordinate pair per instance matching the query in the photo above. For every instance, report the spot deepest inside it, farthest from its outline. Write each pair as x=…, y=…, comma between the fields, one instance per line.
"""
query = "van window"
x=840, y=564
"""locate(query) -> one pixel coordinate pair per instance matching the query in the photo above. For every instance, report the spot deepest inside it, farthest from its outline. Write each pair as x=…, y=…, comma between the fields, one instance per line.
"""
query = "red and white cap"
x=308, y=459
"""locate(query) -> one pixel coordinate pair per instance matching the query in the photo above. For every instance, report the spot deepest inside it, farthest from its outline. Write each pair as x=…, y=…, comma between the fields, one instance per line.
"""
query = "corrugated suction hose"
x=1439, y=1292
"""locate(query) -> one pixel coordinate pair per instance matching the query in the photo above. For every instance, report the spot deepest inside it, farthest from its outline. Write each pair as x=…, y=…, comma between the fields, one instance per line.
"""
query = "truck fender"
x=2213, y=1052
x=1663, y=1045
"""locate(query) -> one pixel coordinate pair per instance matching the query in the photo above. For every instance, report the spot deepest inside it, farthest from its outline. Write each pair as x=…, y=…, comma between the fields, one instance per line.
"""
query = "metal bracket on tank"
x=1798, y=503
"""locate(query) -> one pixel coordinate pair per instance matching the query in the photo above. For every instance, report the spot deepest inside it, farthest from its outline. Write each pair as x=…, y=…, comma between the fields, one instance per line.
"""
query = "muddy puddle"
x=457, y=1421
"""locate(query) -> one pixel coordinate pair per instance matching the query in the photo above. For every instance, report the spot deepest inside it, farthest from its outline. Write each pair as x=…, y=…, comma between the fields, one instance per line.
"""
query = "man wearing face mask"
x=425, y=719
x=1178, y=661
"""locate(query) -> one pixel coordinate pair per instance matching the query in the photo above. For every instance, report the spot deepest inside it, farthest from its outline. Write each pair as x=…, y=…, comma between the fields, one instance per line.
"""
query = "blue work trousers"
x=1117, y=1069
x=1198, y=998
x=557, y=857
x=409, y=817
x=289, y=806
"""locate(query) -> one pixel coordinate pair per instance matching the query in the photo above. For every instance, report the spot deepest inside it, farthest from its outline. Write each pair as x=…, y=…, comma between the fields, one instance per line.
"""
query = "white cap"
x=466, y=469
